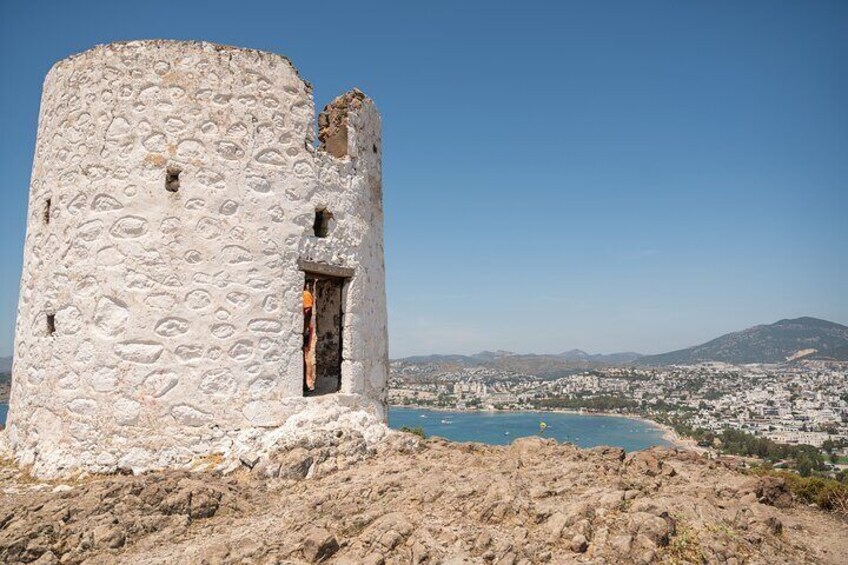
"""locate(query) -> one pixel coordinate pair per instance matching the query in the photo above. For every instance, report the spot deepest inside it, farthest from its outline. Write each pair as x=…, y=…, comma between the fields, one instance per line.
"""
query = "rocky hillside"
x=334, y=499
x=807, y=338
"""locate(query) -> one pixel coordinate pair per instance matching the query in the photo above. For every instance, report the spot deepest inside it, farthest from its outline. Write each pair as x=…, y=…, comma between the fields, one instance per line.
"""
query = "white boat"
x=447, y=422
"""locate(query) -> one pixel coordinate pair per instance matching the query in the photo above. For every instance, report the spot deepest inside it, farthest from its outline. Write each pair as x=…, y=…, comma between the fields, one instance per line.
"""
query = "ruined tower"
x=178, y=204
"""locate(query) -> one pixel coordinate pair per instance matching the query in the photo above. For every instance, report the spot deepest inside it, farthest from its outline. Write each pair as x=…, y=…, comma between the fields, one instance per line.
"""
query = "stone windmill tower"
x=178, y=207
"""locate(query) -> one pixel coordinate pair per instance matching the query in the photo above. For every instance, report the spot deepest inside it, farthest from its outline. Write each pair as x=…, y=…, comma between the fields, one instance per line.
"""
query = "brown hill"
x=338, y=500
x=781, y=341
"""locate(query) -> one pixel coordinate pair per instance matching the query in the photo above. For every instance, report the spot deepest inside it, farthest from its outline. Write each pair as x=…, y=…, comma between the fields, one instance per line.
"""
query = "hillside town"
x=804, y=403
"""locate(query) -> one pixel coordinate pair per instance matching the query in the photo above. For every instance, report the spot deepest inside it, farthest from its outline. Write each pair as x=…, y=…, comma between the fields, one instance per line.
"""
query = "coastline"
x=668, y=434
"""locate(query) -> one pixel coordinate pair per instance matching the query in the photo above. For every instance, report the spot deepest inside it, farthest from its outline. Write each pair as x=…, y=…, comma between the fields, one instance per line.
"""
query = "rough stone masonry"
x=171, y=226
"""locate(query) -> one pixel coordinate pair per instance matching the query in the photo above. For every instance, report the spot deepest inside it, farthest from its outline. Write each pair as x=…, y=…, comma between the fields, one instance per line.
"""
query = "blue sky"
x=603, y=175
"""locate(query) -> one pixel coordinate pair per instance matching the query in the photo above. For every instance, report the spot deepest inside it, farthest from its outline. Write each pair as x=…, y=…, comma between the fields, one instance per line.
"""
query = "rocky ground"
x=334, y=499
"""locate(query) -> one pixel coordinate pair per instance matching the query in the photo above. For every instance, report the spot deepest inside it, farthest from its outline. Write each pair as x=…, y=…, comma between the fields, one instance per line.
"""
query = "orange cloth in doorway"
x=311, y=341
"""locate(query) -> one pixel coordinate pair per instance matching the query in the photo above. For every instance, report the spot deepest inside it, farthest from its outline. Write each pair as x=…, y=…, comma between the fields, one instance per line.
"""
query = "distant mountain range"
x=544, y=365
x=623, y=358
x=500, y=355
x=5, y=364
x=785, y=340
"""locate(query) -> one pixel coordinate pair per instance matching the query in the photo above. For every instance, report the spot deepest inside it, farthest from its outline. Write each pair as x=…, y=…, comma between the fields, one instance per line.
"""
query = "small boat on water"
x=506, y=433
x=423, y=416
x=447, y=422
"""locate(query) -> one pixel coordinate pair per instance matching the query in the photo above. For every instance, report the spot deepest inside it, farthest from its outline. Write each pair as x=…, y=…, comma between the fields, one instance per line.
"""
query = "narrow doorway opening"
x=323, y=320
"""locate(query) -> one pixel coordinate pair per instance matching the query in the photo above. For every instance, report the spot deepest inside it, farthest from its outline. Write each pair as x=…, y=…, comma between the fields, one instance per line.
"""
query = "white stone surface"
x=178, y=314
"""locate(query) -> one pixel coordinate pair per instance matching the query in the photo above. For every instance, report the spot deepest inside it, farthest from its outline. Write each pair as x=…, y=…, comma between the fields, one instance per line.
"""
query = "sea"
x=500, y=428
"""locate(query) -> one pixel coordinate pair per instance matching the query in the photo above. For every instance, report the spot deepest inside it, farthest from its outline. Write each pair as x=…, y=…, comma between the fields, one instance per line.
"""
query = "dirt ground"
x=335, y=499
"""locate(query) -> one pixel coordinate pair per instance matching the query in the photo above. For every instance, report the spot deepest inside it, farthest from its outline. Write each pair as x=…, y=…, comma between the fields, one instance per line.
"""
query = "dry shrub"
x=827, y=494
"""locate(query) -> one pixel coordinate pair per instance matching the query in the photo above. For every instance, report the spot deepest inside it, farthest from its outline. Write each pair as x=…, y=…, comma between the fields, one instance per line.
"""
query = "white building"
x=178, y=205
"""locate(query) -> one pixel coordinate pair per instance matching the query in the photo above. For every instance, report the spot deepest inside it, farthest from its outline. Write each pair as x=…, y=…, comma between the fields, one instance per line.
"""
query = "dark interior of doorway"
x=329, y=320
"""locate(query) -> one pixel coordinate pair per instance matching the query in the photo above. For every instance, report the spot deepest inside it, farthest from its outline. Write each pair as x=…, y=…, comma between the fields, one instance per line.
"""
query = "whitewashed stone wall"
x=178, y=322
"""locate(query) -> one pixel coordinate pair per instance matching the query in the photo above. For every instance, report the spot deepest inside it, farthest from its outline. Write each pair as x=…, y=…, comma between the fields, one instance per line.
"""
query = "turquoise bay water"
x=500, y=428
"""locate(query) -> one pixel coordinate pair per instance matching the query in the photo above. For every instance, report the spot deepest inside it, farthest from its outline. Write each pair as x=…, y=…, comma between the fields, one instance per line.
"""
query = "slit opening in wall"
x=51, y=324
x=321, y=225
x=323, y=325
x=47, y=211
x=172, y=179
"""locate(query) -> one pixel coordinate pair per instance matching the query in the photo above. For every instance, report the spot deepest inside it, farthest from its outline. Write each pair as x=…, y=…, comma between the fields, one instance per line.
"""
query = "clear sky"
x=603, y=175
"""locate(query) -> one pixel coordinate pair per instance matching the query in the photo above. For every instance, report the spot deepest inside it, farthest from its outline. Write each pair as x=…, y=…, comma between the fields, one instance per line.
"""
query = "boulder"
x=773, y=491
x=373, y=559
x=579, y=543
x=295, y=464
x=621, y=544
x=319, y=544
x=192, y=498
x=607, y=453
x=47, y=558
x=645, y=463
x=249, y=460
x=108, y=535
